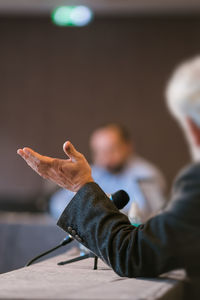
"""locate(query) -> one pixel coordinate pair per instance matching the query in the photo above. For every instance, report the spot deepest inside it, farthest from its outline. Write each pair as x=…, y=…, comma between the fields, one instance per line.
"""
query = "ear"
x=195, y=130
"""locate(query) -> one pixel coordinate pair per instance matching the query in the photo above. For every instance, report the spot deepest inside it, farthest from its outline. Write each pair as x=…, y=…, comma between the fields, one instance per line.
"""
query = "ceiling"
x=103, y=6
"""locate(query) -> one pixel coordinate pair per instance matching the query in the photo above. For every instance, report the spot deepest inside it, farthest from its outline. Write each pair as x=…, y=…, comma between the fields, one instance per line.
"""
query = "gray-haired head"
x=183, y=98
x=183, y=91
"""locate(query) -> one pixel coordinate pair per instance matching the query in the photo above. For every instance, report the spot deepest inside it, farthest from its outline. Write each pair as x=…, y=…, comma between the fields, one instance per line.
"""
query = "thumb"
x=70, y=150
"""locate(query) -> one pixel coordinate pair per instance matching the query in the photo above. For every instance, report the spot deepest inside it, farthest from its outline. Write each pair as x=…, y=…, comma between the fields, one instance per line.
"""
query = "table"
x=47, y=280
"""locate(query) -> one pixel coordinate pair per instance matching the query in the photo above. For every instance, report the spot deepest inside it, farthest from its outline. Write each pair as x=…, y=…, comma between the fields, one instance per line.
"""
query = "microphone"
x=119, y=198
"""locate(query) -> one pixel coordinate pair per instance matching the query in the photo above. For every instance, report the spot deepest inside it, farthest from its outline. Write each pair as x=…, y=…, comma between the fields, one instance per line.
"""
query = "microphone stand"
x=95, y=262
x=66, y=241
x=81, y=257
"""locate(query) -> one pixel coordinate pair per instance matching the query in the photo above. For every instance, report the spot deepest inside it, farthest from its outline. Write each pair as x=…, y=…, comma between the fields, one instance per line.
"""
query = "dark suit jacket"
x=167, y=241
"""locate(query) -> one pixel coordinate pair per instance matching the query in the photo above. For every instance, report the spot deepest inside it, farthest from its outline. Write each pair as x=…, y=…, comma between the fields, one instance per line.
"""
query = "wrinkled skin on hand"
x=71, y=173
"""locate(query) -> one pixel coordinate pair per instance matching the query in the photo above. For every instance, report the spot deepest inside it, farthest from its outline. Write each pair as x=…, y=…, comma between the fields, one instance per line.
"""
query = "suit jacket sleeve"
x=168, y=241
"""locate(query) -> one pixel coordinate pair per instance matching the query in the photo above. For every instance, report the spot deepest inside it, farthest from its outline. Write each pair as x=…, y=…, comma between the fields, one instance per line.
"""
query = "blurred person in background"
x=117, y=166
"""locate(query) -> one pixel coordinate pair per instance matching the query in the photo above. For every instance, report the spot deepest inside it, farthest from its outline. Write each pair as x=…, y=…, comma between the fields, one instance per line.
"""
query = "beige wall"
x=60, y=83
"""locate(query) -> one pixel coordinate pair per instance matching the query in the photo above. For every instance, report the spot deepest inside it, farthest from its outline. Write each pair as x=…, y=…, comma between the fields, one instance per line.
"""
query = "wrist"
x=84, y=182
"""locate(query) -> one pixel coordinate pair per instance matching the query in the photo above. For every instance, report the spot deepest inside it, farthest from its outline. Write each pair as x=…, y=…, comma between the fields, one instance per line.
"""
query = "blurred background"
x=59, y=83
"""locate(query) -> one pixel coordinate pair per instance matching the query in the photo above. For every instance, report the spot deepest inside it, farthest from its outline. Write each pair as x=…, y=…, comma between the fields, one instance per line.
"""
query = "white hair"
x=183, y=97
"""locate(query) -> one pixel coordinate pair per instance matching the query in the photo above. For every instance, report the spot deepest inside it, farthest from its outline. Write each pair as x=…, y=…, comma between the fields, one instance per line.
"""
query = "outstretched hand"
x=71, y=173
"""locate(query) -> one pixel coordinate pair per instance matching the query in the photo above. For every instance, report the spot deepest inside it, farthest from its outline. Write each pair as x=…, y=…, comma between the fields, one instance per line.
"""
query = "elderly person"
x=116, y=165
x=167, y=241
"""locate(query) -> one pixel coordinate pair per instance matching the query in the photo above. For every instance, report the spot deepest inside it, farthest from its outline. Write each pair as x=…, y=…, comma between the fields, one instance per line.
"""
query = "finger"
x=29, y=156
x=22, y=154
x=70, y=150
x=36, y=161
x=19, y=151
x=32, y=158
x=32, y=155
x=27, y=159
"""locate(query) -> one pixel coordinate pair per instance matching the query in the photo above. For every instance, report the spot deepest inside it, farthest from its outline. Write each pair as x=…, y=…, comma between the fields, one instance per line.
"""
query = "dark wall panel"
x=60, y=83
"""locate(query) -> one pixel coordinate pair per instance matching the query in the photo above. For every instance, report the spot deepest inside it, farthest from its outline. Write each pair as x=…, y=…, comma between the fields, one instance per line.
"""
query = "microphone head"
x=120, y=199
